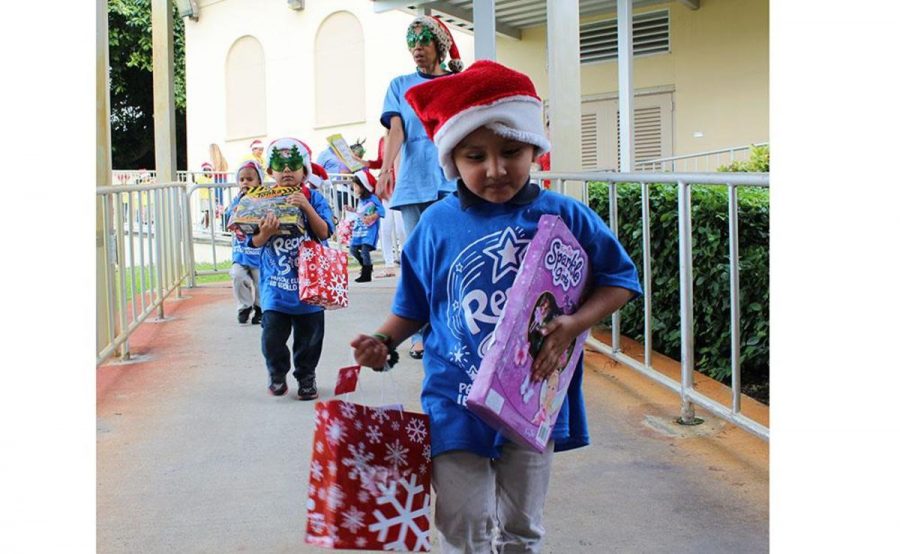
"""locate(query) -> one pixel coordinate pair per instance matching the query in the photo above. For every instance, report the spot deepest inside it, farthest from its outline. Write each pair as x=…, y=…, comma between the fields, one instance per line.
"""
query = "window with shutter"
x=650, y=35
x=600, y=144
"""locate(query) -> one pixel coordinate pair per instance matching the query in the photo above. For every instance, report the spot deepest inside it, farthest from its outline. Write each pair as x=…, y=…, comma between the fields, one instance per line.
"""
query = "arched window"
x=245, y=90
x=340, y=71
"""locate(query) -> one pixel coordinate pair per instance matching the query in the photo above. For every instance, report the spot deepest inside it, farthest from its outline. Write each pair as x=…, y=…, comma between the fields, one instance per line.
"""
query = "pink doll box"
x=550, y=282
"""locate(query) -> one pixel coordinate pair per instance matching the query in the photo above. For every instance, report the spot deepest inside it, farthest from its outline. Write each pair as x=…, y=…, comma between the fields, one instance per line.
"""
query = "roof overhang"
x=512, y=15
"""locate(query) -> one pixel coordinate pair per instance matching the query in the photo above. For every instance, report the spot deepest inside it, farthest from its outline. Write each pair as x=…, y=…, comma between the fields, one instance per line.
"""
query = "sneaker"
x=257, y=315
x=244, y=315
x=308, y=392
x=278, y=389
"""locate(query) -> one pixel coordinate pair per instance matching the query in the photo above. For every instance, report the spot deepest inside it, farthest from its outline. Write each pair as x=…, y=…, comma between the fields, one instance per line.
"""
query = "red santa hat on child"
x=487, y=94
x=256, y=144
x=366, y=178
x=284, y=145
x=318, y=176
x=206, y=166
x=445, y=43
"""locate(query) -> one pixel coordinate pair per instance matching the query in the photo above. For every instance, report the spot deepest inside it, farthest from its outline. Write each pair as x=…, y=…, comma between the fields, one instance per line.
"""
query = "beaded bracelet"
x=393, y=356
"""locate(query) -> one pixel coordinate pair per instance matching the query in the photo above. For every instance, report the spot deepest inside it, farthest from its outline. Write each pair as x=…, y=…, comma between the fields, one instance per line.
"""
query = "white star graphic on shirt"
x=507, y=253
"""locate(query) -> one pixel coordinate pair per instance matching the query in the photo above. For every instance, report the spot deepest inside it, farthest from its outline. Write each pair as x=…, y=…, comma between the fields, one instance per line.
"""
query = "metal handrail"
x=152, y=214
x=684, y=181
x=660, y=164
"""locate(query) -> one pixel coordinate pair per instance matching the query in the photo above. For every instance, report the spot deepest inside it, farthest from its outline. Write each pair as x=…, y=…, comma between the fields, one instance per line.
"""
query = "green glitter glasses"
x=424, y=38
x=278, y=162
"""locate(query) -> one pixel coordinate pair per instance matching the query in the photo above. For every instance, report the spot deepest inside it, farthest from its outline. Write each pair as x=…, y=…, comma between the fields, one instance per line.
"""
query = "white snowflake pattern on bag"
x=396, y=454
x=348, y=410
x=335, y=497
x=381, y=414
x=373, y=434
x=319, y=447
x=360, y=542
x=306, y=254
x=315, y=470
x=353, y=519
x=406, y=515
x=332, y=467
x=358, y=461
x=335, y=432
x=415, y=429
x=426, y=451
x=358, y=425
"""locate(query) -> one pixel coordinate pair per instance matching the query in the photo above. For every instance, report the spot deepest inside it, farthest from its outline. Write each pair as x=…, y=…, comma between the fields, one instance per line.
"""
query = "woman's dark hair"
x=364, y=192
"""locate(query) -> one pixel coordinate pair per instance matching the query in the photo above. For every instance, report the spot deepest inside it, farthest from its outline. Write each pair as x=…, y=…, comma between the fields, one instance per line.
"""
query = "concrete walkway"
x=194, y=456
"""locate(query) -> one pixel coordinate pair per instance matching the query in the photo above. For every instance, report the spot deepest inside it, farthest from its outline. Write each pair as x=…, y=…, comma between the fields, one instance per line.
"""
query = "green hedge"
x=712, y=336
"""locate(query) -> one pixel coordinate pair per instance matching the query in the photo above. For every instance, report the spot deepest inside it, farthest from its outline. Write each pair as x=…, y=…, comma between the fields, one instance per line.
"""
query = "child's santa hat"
x=284, y=145
x=252, y=164
x=256, y=144
x=367, y=179
x=485, y=95
x=445, y=43
x=318, y=176
x=206, y=166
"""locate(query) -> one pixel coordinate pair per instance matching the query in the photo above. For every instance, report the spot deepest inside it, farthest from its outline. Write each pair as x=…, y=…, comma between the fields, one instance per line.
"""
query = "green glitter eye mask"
x=294, y=161
x=424, y=38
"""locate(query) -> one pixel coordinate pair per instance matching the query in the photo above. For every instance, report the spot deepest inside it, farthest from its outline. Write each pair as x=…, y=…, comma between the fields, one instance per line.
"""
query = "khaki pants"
x=245, y=285
x=475, y=494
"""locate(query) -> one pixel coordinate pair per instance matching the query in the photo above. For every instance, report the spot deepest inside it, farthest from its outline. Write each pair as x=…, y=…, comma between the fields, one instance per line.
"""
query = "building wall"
x=288, y=40
x=718, y=70
x=718, y=66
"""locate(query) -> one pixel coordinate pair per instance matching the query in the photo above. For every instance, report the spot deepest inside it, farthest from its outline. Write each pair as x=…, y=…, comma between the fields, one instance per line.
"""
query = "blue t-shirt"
x=332, y=164
x=420, y=177
x=242, y=252
x=457, y=268
x=362, y=233
x=278, y=281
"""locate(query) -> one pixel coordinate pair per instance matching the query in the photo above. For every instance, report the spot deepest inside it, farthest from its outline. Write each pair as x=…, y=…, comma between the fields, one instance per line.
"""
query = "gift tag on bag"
x=347, y=379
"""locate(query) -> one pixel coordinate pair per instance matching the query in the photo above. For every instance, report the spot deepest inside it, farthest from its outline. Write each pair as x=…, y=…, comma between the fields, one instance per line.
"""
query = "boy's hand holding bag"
x=322, y=272
x=369, y=477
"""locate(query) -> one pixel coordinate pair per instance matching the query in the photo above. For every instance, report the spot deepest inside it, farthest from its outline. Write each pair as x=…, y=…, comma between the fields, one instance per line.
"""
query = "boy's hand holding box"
x=258, y=201
x=550, y=282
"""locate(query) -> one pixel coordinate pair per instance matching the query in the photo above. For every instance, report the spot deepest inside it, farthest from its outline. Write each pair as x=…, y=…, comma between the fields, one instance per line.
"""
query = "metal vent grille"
x=650, y=36
x=589, y=150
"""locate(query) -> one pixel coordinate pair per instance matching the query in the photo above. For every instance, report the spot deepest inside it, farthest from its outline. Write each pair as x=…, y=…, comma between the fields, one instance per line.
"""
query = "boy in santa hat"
x=457, y=267
x=369, y=211
x=290, y=164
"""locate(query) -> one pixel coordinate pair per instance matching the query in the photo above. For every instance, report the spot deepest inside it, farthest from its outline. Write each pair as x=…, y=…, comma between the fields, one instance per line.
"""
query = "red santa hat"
x=318, y=175
x=284, y=145
x=206, y=166
x=445, y=43
x=256, y=144
x=367, y=179
x=485, y=95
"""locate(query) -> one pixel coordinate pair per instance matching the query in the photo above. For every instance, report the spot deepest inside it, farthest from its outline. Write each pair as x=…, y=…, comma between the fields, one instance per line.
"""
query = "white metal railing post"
x=156, y=232
x=685, y=263
x=735, y=285
x=110, y=273
x=121, y=267
x=648, y=275
x=189, y=240
x=614, y=227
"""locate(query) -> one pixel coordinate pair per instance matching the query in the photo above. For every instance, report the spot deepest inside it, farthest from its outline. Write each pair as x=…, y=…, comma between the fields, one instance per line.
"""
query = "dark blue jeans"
x=362, y=253
x=309, y=333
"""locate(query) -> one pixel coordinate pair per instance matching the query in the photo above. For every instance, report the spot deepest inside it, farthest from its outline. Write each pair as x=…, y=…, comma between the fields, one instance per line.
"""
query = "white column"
x=104, y=175
x=626, y=87
x=485, y=30
x=163, y=90
x=564, y=73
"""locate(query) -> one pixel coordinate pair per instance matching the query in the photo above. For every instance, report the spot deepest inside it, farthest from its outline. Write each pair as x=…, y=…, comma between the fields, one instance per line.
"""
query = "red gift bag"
x=369, y=479
x=322, y=272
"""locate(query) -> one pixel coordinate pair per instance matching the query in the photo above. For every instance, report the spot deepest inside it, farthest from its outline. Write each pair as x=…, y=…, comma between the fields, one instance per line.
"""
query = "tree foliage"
x=131, y=85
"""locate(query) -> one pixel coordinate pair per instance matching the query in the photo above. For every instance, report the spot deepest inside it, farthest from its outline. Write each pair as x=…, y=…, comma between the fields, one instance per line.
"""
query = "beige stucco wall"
x=288, y=42
x=718, y=66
